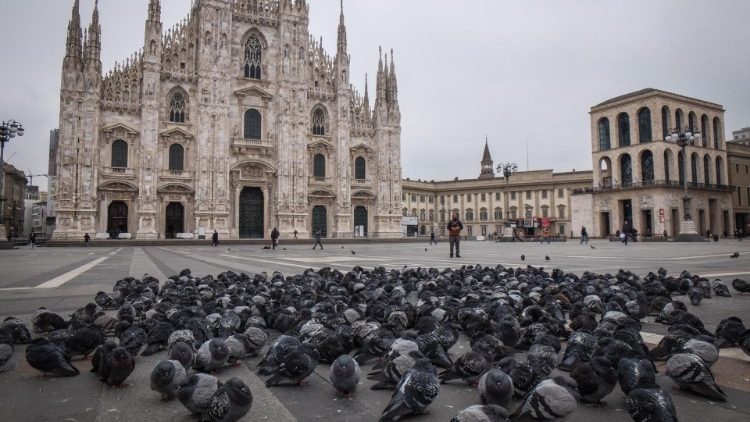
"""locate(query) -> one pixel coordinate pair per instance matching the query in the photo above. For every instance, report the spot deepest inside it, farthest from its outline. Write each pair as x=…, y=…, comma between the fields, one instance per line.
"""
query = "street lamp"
x=507, y=169
x=683, y=138
x=8, y=131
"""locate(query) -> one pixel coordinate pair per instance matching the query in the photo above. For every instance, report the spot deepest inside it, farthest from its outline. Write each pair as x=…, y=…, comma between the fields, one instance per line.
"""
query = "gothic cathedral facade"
x=234, y=120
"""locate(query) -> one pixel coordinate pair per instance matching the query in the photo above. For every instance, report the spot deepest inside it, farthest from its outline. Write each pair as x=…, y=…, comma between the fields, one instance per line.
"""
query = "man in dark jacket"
x=274, y=238
x=215, y=239
x=317, y=240
x=454, y=235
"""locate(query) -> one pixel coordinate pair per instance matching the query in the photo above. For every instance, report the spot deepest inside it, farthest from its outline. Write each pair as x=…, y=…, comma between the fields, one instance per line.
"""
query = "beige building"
x=738, y=155
x=12, y=201
x=530, y=202
x=638, y=176
x=235, y=120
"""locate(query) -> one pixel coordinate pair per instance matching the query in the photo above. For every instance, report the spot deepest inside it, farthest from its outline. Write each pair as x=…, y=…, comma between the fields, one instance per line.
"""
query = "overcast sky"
x=519, y=71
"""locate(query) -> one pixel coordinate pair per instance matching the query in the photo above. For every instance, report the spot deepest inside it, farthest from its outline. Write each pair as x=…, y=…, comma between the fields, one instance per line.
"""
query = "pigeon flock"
x=521, y=323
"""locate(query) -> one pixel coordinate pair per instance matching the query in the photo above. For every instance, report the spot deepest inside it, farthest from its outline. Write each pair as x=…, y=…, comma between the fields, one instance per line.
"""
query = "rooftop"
x=646, y=91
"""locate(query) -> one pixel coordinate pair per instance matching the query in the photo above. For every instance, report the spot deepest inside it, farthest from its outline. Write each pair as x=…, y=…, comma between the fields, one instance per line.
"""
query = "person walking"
x=274, y=238
x=32, y=239
x=454, y=235
x=584, y=235
x=86, y=240
x=317, y=240
x=624, y=238
x=432, y=238
x=295, y=233
x=739, y=235
x=215, y=239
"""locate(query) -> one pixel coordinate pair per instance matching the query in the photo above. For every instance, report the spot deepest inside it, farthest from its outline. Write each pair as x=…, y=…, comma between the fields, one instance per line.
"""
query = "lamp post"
x=683, y=138
x=8, y=131
x=507, y=169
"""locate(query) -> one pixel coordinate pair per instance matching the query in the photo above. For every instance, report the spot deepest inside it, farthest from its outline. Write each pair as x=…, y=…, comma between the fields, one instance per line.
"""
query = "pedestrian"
x=274, y=238
x=32, y=239
x=215, y=239
x=317, y=240
x=454, y=235
x=624, y=238
x=295, y=233
x=584, y=235
x=545, y=236
x=739, y=235
x=86, y=240
x=432, y=238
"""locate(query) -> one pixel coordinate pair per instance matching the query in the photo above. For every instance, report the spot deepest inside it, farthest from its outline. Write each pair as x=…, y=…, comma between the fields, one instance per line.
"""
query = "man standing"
x=317, y=240
x=432, y=238
x=274, y=238
x=454, y=235
x=215, y=239
x=584, y=235
x=86, y=240
x=32, y=239
x=295, y=233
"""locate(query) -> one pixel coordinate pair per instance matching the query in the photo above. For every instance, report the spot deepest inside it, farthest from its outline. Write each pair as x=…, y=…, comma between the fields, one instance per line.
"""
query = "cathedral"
x=235, y=120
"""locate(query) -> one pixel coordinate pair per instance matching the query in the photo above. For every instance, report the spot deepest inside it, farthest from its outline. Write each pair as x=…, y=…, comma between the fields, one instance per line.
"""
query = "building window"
x=403, y=197
x=623, y=129
x=483, y=214
x=562, y=230
x=422, y=215
x=359, y=168
x=119, y=153
x=455, y=199
x=319, y=166
x=177, y=108
x=679, y=118
x=421, y=198
x=404, y=211
x=252, y=57
x=513, y=196
x=528, y=194
x=719, y=170
x=469, y=214
x=717, y=132
x=468, y=230
x=442, y=216
x=644, y=125
x=647, y=167
x=561, y=193
x=484, y=197
x=442, y=199
x=747, y=197
x=432, y=215
x=430, y=199
x=626, y=170
x=603, y=125
x=704, y=130
x=252, y=124
x=319, y=122
x=176, y=157
x=413, y=197
x=681, y=166
x=484, y=230
x=513, y=213
x=544, y=193
x=665, y=129
x=692, y=124
x=545, y=212
x=413, y=212
x=561, y=211
x=497, y=196
x=706, y=169
x=498, y=213
x=694, y=168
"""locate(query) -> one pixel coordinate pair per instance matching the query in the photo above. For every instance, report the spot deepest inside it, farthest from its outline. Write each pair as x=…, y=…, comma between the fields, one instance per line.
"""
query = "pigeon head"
x=218, y=349
x=310, y=351
x=119, y=354
x=344, y=366
x=238, y=392
x=163, y=372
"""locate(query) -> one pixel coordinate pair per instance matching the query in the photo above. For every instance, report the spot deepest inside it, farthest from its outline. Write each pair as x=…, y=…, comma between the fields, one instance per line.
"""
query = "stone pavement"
x=65, y=278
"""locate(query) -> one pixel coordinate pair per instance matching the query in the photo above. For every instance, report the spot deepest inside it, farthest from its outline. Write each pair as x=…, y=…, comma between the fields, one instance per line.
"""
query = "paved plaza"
x=63, y=279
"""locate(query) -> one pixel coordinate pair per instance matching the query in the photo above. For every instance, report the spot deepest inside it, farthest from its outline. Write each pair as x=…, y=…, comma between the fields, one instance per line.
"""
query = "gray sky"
x=519, y=71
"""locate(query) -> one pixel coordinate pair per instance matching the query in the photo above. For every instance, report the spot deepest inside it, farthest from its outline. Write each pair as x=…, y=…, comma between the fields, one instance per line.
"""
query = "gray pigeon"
x=595, y=378
x=196, y=392
x=635, y=373
x=83, y=341
x=120, y=365
x=396, y=366
x=542, y=358
x=49, y=358
x=416, y=390
x=469, y=367
x=183, y=353
x=239, y=346
x=691, y=374
x=496, y=387
x=482, y=413
x=101, y=356
x=6, y=352
x=345, y=374
x=551, y=399
x=212, y=355
x=166, y=378
x=650, y=405
x=295, y=366
x=705, y=350
x=133, y=339
x=231, y=402
x=17, y=330
x=280, y=347
x=257, y=338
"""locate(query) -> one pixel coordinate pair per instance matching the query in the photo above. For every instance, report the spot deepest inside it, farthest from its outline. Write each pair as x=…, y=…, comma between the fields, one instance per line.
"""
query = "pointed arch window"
x=119, y=153
x=177, y=108
x=252, y=124
x=252, y=57
x=319, y=122
x=644, y=125
x=359, y=168
x=176, y=157
x=623, y=129
x=319, y=166
x=604, y=143
x=626, y=171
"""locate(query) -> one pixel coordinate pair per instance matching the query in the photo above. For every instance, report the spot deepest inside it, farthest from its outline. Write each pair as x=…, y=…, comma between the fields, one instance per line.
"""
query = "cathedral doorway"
x=251, y=213
x=360, y=219
x=117, y=218
x=175, y=220
x=320, y=220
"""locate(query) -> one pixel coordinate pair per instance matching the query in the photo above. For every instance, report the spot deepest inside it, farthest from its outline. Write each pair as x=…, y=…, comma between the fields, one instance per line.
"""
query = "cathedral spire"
x=392, y=84
x=75, y=34
x=154, y=11
x=94, y=43
x=380, y=81
x=366, y=100
x=342, y=32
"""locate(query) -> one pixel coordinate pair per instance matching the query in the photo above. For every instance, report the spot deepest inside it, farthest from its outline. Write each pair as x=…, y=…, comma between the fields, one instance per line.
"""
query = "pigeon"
x=650, y=405
x=592, y=246
x=581, y=347
x=231, y=402
x=745, y=342
x=482, y=413
x=695, y=295
x=49, y=358
x=495, y=388
x=546, y=258
x=523, y=257
x=280, y=347
x=183, y=353
x=395, y=367
x=120, y=365
x=468, y=367
x=523, y=376
x=595, y=379
x=417, y=389
x=238, y=345
x=344, y=375
x=704, y=349
x=166, y=378
x=212, y=355
x=551, y=399
x=46, y=321
x=691, y=374
x=295, y=366
x=101, y=357
x=353, y=253
x=542, y=358
x=17, y=329
x=6, y=353
x=741, y=286
x=196, y=392
x=635, y=373
x=735, y=255
x=83, y=341
x=158, y=338
x=257, y=338
x=721, y=289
